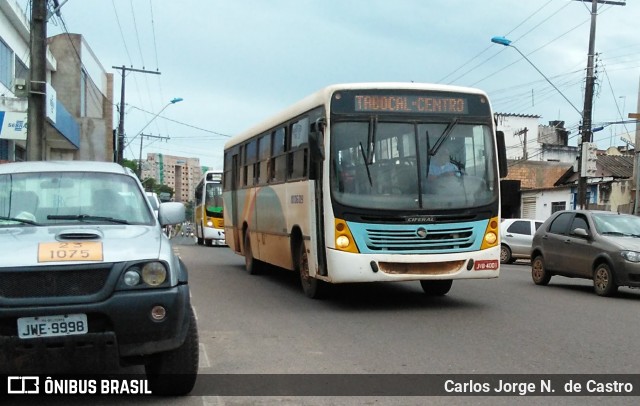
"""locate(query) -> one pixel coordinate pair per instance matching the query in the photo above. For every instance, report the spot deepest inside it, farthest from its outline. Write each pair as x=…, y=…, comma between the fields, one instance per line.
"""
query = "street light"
x=507, y=43
x=172, y=101
x=584, y=114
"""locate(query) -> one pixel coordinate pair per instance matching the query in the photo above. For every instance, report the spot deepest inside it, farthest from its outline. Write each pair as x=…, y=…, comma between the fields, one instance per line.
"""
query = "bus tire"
x=313, y=288
x=252, y=264
x=436, y=288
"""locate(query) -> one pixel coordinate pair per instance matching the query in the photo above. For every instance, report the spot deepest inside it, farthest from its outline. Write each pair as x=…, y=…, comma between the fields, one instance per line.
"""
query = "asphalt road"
x=263, y=326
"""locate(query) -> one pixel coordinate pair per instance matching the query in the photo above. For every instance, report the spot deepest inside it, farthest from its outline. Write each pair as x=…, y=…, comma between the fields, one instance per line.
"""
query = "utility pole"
x=120, y=145
x=524, y=132
x=140, y=157
x=636, y=163
x=36, y=111
x=588, y=101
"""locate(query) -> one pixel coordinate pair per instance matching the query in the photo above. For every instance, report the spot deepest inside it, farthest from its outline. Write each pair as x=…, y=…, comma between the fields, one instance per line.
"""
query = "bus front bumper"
x=346, y=267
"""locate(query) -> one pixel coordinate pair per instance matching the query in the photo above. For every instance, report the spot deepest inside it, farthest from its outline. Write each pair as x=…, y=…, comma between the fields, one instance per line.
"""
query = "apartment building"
x=182, y=174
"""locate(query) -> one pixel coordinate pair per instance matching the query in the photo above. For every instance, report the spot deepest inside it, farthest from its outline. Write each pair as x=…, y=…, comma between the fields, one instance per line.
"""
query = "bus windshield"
x=213, y=199
x=413, y=165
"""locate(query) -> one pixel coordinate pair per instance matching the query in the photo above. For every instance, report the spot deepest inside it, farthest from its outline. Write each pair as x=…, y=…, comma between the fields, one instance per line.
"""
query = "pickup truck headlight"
x=154, y=273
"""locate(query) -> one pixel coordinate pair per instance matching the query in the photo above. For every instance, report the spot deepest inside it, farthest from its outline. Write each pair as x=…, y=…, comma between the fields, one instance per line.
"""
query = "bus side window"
x=299, y=155
x=263, y=159
x=250, y=168
x=278, y=161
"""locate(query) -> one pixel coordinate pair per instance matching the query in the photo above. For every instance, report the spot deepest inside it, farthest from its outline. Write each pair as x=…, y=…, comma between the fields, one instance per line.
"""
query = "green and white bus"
x=341, y=187
x=207, y=212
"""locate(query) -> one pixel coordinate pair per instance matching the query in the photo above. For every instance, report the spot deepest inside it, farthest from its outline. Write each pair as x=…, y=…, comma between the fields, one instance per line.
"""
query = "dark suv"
x=598, y=245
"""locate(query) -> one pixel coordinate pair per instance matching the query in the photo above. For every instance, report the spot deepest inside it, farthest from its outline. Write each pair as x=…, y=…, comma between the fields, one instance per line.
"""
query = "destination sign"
x=410, y=104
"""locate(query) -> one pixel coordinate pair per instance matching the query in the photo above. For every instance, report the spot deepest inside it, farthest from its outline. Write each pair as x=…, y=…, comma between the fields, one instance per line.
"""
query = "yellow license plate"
x=70, y=251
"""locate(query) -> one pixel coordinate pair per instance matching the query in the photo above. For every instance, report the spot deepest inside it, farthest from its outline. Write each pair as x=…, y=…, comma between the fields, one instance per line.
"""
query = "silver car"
x=516, y=236
x=597, y=245
x=87, y=276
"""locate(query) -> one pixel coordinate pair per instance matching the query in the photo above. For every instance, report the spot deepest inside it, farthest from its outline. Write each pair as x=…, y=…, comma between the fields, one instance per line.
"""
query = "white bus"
x=208, y=221
x=342, y=187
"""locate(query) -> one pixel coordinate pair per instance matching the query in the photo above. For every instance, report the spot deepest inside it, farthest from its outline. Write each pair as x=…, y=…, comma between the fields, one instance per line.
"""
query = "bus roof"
x=323, y=96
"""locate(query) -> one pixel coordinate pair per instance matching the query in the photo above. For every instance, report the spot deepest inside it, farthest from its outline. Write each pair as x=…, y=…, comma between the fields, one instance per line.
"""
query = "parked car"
x=516, y=236
x=598, y=245
x=87, y=276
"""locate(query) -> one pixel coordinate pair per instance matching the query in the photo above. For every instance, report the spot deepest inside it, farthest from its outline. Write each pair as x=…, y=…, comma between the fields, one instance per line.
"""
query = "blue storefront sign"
x=13, y=125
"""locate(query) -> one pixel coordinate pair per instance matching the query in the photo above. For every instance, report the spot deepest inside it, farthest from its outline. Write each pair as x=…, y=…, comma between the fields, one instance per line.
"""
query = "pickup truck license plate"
x=52, y=326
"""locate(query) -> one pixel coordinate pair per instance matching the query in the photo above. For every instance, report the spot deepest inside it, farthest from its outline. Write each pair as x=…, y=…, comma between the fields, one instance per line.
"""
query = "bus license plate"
x=52, y=326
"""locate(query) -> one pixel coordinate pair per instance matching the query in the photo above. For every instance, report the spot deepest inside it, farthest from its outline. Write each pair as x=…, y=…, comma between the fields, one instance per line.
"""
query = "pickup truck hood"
x=19, y=245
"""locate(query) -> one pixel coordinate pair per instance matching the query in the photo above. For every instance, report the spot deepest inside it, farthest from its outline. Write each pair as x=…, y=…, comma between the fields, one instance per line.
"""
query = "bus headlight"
x=209, y=223
x=342, y=242
x=490, y=238
x=154, y=273
x=344, y=239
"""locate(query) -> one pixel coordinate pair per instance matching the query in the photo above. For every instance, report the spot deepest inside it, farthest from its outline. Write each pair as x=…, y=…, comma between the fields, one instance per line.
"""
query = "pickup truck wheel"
x=174, y=372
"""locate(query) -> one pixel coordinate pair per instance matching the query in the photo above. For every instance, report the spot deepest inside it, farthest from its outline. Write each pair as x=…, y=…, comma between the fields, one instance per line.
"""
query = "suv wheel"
x=174, y=372
x=539, y=273
x=603, y=282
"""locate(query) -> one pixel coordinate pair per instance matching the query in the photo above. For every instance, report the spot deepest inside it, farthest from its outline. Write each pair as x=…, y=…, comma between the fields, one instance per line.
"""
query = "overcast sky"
x=237, y=62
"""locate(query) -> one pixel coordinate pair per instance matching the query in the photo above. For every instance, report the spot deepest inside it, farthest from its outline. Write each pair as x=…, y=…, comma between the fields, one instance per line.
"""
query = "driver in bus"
x=441, y=164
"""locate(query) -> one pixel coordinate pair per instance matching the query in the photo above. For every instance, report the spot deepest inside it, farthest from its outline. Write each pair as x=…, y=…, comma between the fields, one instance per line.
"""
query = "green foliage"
x=133, y=165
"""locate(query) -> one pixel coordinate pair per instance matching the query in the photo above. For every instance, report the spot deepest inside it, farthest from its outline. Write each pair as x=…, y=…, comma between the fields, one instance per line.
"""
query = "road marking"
x=204, y=358
x=212, y=401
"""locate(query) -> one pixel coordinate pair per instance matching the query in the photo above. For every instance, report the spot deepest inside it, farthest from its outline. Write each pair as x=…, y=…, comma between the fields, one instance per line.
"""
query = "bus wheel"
x=250, y=262
x=436, y=288
x=200, y=241
x=312, y=287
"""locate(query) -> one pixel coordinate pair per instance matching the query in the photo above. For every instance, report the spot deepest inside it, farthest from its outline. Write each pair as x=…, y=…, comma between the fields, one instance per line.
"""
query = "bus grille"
x=38, y=284
x=410, y=239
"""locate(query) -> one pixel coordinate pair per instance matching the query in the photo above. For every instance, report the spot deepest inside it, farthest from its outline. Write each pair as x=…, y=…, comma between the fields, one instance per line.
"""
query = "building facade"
x=70, y=132
x=179, y=173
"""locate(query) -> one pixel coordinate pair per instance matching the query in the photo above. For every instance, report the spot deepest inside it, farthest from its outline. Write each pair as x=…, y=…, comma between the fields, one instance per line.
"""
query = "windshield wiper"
x=366, y=164
x=23, y=221
x=617, y=233
x=443, y=136
x=86, y=217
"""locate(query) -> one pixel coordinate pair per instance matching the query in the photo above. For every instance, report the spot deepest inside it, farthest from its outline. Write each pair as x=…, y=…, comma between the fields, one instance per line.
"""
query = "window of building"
x=6, y=64
x=557, y=206
x=22, y=71
x=83, y=93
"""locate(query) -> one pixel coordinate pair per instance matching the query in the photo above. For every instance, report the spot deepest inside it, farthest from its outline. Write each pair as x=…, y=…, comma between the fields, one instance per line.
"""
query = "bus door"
x=316, y=159
x=235, y=182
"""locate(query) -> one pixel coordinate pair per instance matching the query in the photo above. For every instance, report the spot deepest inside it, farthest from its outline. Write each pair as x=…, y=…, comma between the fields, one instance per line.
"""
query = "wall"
x=94, y=111
x=511, y=125
x=544, y=199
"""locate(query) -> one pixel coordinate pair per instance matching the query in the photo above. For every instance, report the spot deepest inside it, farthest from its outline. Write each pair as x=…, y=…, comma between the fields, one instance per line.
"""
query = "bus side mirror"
x=502, y=154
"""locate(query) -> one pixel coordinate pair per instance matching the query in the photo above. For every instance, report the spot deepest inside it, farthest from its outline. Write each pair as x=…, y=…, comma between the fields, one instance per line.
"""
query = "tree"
x=127, y=163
